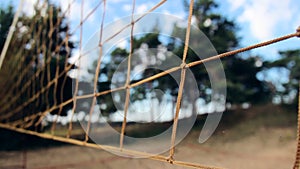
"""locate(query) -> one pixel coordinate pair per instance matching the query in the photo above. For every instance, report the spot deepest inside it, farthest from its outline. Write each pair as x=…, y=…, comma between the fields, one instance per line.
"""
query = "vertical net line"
x=69, y=67
x=49, y=57
x=45, y=53
x=53, y=127
x=35, y=33
x=6, y=92
x=28, y=83
x=57, y=74
x=44, y=61
x=127, y=83
x=297, y=158
x=96, y=77
x=10, y=33
x=128, y=25
x=39, y=37
x=75, y=93
x=57, y=57
x=181, y=85
x=39, y=40
x=48, y=54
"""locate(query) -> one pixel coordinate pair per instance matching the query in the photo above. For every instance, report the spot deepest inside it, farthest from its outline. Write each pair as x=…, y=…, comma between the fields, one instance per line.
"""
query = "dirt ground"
x=261, y=139
x=266, y=148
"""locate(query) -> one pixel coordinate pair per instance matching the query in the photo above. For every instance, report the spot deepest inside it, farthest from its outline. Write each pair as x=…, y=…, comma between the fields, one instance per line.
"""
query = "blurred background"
x=54, y=39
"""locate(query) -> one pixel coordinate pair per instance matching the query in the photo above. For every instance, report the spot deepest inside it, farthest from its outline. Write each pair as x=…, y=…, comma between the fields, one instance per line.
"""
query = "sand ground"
x=266, y=148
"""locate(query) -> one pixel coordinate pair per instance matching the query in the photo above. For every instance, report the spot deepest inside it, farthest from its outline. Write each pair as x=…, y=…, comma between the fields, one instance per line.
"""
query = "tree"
x=117, y=56
x=290, y=61
x=41, y=56
x=6, y=18
x=242, y=84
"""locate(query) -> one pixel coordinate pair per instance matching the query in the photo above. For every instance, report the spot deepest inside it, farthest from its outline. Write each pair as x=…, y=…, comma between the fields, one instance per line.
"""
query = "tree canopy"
x=289, y=60
x=44, y=54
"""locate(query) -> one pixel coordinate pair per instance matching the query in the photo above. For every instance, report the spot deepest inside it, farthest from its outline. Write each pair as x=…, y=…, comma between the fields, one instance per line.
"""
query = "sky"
x=257, y=20
x=263, y=20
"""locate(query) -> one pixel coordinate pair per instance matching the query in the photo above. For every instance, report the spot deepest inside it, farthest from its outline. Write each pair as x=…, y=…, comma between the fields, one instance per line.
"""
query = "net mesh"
x=35, y=81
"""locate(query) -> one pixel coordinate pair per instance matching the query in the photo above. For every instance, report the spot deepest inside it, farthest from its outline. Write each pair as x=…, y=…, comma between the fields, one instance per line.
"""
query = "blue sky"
x=258, y=20
x=263, y=20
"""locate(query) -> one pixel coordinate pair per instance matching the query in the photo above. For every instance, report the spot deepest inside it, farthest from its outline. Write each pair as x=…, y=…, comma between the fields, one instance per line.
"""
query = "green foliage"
x=220, y=30
x=242, y=84
x=118, y=56
x=6, y=18
x=39, y=53
x=151, y=39
x=290, y=60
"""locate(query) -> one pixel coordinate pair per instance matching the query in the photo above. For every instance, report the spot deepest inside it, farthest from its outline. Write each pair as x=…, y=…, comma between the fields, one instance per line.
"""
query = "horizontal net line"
x=266, y=43
x=107, y=147
x=44, y=113
x=78, y=74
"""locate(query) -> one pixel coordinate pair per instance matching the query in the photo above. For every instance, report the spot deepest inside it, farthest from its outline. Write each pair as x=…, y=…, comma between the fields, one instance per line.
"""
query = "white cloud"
x=296, y=23
x=264, y=16
x=194, y=20
x=234, y=4
x=74, y=14
x=28, y=7
x=75, y=10
x=142, y=8
x=179, y=14
x=167, y=12
x=126, y=7
x=123, y=44
x=116, y=1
